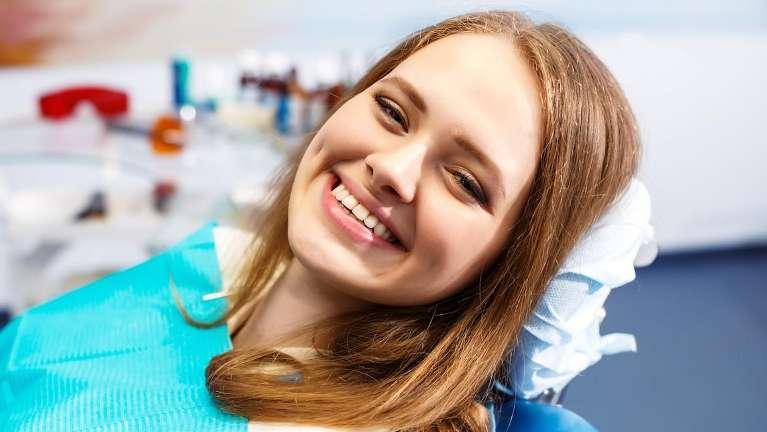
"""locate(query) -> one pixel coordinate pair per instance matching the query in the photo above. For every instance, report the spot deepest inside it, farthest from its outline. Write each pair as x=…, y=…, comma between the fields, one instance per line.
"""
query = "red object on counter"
x=61, y=104
x=162, y=193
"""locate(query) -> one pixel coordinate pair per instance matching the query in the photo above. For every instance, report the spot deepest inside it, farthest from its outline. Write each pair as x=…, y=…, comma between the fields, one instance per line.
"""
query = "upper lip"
x=371, y=204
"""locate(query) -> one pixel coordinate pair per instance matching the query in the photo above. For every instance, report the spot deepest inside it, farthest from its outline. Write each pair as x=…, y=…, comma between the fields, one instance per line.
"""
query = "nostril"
x=390, y=189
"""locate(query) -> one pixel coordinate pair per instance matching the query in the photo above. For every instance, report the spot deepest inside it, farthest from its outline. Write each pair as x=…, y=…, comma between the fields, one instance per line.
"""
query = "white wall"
x=701, y=102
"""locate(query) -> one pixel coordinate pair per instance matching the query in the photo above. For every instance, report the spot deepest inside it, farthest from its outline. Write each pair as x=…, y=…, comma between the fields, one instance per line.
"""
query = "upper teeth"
x=361, y=213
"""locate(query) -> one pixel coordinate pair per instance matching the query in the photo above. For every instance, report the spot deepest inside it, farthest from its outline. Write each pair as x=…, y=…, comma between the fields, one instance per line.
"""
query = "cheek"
x=352, y=131
x=451, y=248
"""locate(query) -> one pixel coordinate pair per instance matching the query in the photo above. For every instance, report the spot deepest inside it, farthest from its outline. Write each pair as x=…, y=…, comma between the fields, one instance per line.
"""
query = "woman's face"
x=442, y=151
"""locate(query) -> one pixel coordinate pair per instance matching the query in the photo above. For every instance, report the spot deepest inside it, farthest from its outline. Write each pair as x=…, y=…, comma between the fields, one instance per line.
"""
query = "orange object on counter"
x=167, y=135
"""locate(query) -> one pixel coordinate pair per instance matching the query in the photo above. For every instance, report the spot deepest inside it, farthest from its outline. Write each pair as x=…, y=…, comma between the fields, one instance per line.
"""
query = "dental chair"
x=541, y=414
x=562, y=338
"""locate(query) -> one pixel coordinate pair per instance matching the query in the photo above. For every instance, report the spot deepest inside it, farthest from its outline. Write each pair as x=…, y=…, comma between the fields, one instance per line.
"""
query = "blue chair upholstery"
x=522, y=415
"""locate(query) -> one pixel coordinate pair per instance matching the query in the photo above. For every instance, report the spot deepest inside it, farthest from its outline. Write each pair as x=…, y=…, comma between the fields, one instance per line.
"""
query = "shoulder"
x=231, y=245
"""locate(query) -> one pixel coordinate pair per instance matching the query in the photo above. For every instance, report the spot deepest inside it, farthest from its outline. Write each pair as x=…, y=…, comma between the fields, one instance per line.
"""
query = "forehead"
x=480, y=86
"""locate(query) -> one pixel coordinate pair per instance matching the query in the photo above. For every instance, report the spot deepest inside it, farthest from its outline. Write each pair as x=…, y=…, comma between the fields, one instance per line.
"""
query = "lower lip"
x=348, y=223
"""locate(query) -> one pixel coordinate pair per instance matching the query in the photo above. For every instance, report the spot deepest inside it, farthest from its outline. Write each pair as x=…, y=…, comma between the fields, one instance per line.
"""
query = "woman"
x=471, y=158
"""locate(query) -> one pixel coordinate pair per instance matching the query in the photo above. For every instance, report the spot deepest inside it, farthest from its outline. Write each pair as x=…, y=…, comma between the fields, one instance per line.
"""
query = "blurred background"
x=193, y=104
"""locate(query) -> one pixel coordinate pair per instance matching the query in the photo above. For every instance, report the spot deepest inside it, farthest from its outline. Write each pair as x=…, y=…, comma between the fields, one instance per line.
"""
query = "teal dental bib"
x=116, y=354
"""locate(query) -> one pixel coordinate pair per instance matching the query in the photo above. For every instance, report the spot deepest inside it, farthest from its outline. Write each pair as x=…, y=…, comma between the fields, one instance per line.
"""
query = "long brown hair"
x=428, y=368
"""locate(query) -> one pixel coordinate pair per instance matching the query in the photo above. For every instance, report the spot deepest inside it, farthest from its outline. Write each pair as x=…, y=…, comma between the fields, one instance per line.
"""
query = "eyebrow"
x=409, y=91
x=464, y=143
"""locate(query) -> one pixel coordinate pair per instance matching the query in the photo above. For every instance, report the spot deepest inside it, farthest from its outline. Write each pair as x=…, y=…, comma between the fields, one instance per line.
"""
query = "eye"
x=470, y=185
x=390, y=111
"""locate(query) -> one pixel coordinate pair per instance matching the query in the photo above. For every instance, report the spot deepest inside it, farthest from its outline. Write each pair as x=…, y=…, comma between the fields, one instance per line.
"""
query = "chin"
x=320, y=254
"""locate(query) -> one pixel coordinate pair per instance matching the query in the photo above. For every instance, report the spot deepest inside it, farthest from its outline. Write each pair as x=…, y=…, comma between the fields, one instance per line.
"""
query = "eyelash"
x=471, y=186
x=466, y=181
x=384, y=106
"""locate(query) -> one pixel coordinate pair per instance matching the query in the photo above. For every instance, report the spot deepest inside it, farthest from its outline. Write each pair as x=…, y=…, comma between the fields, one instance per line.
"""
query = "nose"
x=397, y=170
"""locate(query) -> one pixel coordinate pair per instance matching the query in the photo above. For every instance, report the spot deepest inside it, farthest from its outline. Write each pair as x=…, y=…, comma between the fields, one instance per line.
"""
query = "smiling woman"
x=411, y=236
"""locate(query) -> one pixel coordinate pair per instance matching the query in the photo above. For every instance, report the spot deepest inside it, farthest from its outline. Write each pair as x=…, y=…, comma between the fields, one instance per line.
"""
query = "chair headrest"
x=561, y=338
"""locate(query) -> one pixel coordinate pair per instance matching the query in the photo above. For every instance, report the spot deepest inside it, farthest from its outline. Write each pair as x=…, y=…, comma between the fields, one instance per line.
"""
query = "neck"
x=295, y=300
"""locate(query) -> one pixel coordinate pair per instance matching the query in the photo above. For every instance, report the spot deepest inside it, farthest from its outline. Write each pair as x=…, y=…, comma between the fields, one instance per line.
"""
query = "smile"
x=353, y=218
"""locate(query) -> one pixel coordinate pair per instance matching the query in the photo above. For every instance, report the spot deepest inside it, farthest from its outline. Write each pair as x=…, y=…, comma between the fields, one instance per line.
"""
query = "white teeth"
x=349, y=202
x=380, y=229
x=341, y=194
x=361, y=212
x=338, y=189
x=371, y=221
